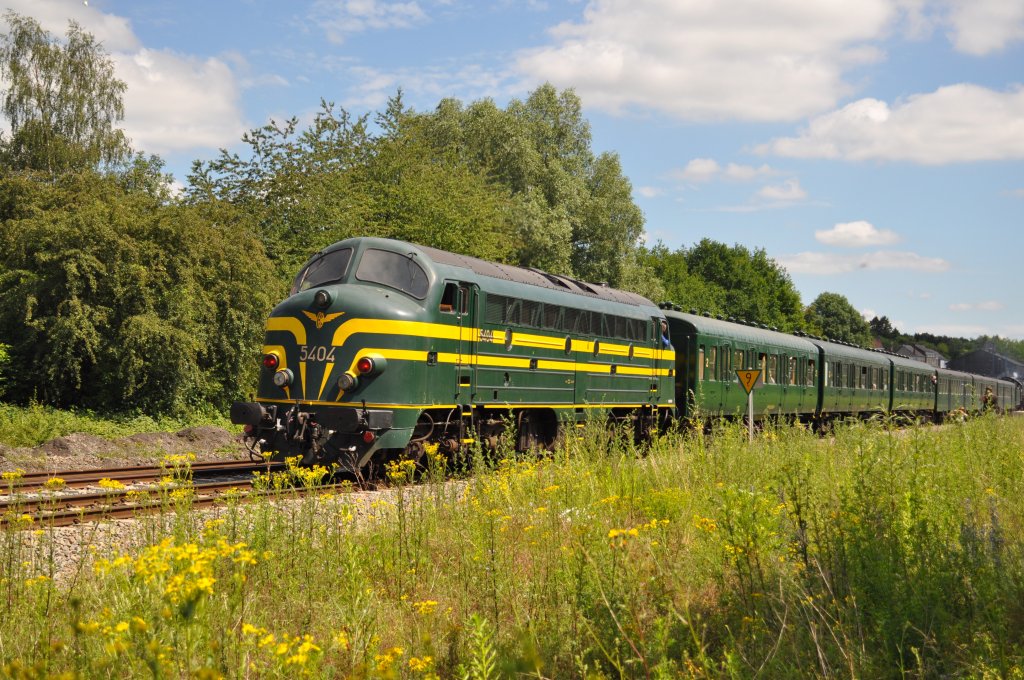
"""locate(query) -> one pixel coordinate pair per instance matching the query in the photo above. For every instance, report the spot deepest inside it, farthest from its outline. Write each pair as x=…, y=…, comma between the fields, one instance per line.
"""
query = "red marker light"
x=270, y=361
x=369, y=437
x=364, y=365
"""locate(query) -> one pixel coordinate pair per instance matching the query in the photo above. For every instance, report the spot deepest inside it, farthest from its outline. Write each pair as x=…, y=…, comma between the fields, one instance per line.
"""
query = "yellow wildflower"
x=54, y=484
x=420, y=665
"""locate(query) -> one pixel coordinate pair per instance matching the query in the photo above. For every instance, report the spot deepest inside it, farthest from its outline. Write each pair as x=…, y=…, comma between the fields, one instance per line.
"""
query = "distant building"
x=985, y=361
x=925, y=354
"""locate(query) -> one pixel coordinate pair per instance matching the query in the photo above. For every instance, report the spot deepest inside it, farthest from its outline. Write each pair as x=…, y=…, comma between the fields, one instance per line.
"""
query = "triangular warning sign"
x=749, y=379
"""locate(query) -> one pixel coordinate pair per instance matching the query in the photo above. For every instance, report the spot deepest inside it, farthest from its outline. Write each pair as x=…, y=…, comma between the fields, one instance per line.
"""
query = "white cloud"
x=1017, y=193
x=745, y=173
x=649, y=192
x=828, y=263
x=341, y=18
x=858, y=234
x=988, y=306
x=175, y=102
x=868, y=314
x=980, y=27
x=707, y=169
x=958, y=123
x=790, y=190
x=699, y=170
x=764, y=60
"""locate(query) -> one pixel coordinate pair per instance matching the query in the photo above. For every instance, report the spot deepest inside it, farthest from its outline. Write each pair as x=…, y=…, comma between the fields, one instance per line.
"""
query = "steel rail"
x=140, y=473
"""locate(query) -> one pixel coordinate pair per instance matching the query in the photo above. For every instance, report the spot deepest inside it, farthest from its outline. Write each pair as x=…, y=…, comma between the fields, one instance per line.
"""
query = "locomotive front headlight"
x=322, y=299
x=283, y=378
x=347, y=382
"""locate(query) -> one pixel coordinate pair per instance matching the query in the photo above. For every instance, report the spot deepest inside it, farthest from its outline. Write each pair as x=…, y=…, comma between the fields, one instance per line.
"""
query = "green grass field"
x=35, y=424
x=874, y=553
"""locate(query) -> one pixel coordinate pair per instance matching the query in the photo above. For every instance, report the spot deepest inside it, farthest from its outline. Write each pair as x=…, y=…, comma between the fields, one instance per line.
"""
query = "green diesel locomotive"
x=384, y=347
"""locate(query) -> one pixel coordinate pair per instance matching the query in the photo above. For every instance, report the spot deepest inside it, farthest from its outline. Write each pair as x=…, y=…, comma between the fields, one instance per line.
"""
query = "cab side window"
x=449, y=297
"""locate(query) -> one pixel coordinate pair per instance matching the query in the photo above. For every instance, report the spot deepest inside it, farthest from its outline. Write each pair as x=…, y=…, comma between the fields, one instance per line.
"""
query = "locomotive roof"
x=534, y=277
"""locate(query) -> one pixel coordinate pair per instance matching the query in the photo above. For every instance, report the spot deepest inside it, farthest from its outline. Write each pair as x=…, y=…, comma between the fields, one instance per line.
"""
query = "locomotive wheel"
x=537, y=430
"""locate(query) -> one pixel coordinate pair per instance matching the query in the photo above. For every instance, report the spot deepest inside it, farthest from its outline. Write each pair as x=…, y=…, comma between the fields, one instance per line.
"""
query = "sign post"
x=750, y=379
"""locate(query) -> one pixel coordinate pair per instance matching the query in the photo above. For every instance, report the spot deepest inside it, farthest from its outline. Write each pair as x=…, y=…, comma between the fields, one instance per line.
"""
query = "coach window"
x=773, y=368
x=711, y=367
x=810, y=372
x=737, y=359
x=793, y=371
x=394, y=270
x=700, y=364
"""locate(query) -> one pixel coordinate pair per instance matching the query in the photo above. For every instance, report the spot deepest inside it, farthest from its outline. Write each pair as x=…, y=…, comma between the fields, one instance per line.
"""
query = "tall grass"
x=873, y=553
x=35, y=424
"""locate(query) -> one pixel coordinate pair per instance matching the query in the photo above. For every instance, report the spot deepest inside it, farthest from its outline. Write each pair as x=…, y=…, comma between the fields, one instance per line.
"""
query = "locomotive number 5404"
x=316, y=353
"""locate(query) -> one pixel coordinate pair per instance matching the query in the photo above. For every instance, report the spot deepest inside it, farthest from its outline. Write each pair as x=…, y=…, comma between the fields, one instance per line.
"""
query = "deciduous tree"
x=749, y=284
x=62, y=100
x=833, y=316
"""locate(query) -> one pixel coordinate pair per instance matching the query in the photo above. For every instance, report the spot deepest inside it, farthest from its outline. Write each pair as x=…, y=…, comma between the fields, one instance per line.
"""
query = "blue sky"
x=874, y=148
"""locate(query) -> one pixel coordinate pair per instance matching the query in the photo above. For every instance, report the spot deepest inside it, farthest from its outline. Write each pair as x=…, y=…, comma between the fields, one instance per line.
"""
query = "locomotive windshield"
x=394, y=270
x=325, y=269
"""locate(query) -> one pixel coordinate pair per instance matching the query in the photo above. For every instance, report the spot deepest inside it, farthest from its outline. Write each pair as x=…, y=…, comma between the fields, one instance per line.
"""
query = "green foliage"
x=883, y=328
x=573, y=211
x=5, y=358
x=752, y=285
x=118, y=297
x=727, y=280
x=62, y=100
x=832, y=316
x=685, y=289
x=300, y=189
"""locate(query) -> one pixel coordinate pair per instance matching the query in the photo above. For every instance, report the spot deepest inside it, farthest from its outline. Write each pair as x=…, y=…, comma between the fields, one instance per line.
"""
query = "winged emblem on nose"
x=320, y=318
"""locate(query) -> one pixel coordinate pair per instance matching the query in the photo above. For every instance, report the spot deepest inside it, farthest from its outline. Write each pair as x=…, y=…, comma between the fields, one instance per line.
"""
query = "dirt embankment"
x=81, y=451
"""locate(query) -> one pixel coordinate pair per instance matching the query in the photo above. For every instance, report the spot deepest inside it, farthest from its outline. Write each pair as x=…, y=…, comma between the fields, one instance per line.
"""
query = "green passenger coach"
x=709, y=351
x=384, y=347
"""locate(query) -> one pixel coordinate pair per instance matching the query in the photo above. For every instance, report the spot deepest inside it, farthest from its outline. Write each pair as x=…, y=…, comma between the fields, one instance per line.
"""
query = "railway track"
x=140, y=490
x=72, y=479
